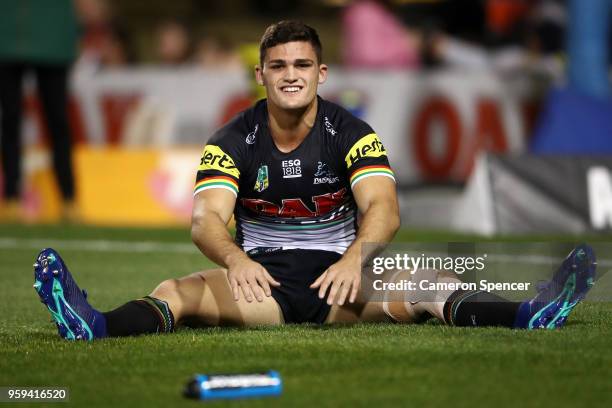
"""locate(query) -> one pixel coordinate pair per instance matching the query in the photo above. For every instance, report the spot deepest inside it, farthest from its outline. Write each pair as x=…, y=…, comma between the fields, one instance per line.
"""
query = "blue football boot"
x=74, y=317
x=550, y=308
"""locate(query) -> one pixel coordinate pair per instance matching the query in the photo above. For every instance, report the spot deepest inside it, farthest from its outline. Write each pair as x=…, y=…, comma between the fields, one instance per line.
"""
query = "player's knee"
x=425, y=275
x=447, y=276
x=395, y=302
x=415, y=304
x=167, y=290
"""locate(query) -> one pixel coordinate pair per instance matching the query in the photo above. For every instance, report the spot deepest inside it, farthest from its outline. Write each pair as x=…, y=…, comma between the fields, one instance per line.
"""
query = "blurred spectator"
x=217, y=53
x=94, y=20
x=504, y=19
x=521, y=35
x=547, y=27
x=113, y=49
x=116, y=49
x=249, y=56
x=173, y=43
x=104, y=43
x=37, y=36
x=373, y=37
x=464, y=19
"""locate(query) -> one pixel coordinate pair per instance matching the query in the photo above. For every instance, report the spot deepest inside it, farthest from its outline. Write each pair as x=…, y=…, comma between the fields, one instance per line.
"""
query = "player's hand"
x=250, y=278
x=341, y=278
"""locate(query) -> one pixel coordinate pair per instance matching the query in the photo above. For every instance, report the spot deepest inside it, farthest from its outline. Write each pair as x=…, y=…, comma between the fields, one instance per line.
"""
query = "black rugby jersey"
x=301, y=199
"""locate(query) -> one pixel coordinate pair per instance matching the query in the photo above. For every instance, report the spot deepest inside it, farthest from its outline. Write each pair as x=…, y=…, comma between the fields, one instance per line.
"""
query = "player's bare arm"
x=377, y=202
x=212, y=210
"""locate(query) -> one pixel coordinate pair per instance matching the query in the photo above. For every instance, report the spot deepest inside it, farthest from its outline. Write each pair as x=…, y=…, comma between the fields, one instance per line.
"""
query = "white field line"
x=523, y=259
x=100, y=245
x=536, y=259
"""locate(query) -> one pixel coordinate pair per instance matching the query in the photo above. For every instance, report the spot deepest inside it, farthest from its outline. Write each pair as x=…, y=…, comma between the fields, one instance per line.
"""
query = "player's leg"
x=205, y=298
x=453, y=307
x=399, y=306
x=373, y=306
x=202, y=298
x=380, y=306
x=549, y=309
x=358, y=311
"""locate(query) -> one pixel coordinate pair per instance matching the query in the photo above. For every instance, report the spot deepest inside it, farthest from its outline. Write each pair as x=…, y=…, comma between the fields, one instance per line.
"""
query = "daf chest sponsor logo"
x=328, y=126
x=295, y=207
x=368, y=146
x=292, y=168
x=324, y=175
x=213, y=158
x=262, y=179
x=250, y=139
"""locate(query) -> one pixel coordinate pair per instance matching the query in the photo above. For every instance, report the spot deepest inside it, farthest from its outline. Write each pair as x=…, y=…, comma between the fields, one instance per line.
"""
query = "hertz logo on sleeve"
x=368, y=146
x=213, y=158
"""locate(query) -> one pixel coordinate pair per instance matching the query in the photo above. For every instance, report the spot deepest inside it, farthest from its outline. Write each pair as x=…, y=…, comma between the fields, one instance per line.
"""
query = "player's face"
x=291, y=75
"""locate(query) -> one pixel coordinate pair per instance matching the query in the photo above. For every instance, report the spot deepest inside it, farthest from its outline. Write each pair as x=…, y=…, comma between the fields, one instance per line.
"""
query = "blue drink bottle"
x=231, y=386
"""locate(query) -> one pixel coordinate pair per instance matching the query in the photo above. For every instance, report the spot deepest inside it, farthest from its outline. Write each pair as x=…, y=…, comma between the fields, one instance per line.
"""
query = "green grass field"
x=358, y=365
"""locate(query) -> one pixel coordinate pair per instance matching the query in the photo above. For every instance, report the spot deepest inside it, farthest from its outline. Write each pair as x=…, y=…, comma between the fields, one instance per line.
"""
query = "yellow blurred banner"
x=117, y=186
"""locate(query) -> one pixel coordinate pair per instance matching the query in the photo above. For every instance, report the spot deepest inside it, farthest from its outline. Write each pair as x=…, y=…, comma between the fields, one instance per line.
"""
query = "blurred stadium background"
x=496, y=113
x=497, y=118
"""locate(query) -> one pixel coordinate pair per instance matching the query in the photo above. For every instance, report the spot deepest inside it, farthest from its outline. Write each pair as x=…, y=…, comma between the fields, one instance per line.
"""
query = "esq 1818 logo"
x=292, y=168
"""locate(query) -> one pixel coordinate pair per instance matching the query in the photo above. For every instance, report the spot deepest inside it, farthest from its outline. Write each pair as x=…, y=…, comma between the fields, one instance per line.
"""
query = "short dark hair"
x=287, y=31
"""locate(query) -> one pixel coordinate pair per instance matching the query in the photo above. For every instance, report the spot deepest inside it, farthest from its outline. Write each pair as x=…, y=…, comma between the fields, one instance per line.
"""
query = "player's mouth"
x=291, y=89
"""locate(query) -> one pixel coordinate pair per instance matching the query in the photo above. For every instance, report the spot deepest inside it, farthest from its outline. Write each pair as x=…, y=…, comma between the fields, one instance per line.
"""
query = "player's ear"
x=259, y=75
x=322, y=73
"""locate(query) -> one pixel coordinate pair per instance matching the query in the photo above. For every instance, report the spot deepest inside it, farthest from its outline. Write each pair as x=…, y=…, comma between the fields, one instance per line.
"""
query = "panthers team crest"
x=324, y=175
x=262, y=179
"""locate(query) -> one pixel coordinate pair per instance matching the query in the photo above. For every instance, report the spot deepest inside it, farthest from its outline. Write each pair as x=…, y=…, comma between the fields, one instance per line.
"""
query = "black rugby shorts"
x=296, y=270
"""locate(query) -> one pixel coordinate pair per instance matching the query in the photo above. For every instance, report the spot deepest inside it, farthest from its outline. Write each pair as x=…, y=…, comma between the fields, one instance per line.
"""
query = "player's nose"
x=290, y=74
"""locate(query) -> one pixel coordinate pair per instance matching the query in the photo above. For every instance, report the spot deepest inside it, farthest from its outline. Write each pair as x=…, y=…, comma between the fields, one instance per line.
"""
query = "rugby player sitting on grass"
x=295, y=170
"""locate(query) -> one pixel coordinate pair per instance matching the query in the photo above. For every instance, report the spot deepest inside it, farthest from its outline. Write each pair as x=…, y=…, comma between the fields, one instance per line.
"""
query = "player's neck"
x=290, y=127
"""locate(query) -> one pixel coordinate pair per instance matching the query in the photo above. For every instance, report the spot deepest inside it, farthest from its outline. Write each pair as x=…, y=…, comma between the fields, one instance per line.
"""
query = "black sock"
x=142, y=316
x=479, y=308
